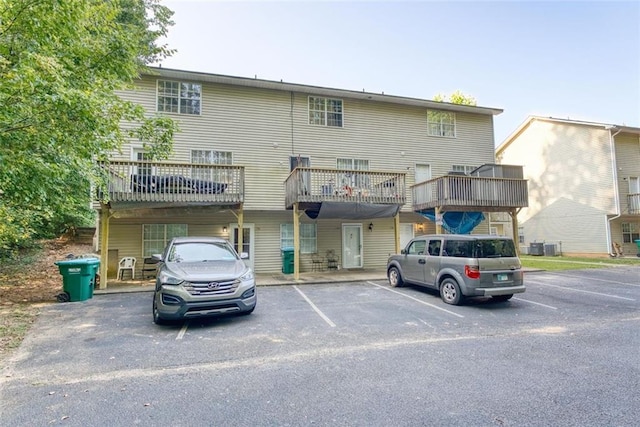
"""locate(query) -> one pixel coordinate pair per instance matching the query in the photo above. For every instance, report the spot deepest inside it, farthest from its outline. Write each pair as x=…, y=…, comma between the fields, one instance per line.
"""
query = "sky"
x=565, y=59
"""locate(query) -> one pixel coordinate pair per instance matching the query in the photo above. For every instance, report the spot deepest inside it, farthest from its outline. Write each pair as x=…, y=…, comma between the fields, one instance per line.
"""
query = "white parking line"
x=316, y=309
x=386, y=288
x=597, y=279
x=183, y=330
x=536, y=303
x=581, y=290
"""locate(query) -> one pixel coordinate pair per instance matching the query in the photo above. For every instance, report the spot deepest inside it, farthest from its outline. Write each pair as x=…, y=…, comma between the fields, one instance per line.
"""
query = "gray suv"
x=202, y=276
x=459, y=266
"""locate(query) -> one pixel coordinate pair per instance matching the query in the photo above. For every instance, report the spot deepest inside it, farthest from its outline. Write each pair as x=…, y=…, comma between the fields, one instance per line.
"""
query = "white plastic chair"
x=127, y=263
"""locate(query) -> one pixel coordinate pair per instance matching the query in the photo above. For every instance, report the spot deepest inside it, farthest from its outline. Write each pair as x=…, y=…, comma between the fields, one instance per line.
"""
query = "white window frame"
x=441, y=123
x=212, y=157
x=326, y=111
x=178, y=97
x=463, y=168
x=630, y=232
x=165, y=232
x=308, y=237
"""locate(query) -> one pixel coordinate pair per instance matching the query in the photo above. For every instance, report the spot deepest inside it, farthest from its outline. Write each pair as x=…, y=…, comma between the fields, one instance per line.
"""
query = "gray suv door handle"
x=421, y=261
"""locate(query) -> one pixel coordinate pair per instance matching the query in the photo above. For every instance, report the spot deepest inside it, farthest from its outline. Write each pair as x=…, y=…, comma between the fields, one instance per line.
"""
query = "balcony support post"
x=296, y=242
x=514, y=229
x=104, y=244
x=438, y=220
x=396, y=231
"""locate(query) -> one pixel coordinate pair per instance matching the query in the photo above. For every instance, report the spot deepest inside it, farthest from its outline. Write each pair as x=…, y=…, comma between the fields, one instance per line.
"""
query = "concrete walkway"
x=273, y=279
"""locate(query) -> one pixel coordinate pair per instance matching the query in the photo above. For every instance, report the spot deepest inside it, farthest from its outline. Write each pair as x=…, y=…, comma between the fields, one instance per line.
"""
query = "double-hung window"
x=354, y=180
x=325, y=111
x=212, y=157
x=463, y=168
x=156, y=236
x=441, y=123
x=179, y=97
x=630, y=232
x=308, y=237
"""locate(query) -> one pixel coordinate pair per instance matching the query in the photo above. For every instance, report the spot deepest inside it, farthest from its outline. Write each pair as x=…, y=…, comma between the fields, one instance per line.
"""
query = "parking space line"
x=583, y=291
x=183, y=331
x=316, y=309
x=596, y=279
x=386, y=288
x=536, y=303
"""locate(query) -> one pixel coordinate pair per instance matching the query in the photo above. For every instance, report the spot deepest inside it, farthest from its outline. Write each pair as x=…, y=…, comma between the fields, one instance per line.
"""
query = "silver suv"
x=459, y=265
x=202, y=276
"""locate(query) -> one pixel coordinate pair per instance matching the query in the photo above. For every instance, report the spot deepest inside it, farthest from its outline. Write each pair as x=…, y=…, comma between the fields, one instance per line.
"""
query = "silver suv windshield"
x=200, y=252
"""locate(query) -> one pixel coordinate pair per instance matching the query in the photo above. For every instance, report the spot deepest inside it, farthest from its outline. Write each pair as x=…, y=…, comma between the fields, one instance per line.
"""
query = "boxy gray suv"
x=459, y=266
x=202, y=276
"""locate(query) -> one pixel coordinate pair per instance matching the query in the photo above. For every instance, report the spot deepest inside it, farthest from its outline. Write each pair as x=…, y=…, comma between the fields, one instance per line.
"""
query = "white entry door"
x=352, y=246
x=248, y=245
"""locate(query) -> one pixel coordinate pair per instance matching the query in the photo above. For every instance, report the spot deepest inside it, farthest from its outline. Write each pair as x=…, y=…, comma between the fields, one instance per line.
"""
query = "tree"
x=456, y=97
x=61, y=65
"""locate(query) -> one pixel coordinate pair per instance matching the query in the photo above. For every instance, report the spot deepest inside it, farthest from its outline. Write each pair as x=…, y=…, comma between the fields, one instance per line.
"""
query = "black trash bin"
x=78, y=278
x=288, y=260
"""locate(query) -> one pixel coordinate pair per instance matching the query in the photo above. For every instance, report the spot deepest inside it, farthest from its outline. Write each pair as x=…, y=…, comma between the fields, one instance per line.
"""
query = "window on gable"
x=325, y=112
x=179, y=97
x=441, y=123
x=308, y=237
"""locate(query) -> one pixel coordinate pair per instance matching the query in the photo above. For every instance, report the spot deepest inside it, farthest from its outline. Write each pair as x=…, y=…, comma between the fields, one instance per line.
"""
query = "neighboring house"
x=584, y=184
x=296, y=166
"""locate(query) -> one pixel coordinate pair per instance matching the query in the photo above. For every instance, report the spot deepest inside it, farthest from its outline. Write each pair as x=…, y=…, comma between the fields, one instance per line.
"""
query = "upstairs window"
x=441, y=123
x=179, y=97
x=212, y=157
x=325, y=112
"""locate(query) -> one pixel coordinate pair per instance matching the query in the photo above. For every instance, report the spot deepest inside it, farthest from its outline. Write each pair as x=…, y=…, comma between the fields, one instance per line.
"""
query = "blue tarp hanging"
x=456, y=222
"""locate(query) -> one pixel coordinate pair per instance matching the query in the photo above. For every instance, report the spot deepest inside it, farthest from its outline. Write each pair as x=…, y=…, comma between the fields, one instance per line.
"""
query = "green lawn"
x=574, y=263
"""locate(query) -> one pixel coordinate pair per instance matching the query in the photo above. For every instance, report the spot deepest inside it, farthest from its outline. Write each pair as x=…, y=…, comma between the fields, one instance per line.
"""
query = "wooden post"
x=104, y=244
x=438, y=220
x=396, y=226
x=514, y=225
x=296, y=242
x=240, y=217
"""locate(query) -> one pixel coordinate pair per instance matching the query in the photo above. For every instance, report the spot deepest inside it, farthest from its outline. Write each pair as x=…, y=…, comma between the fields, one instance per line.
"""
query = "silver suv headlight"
x=247, y=276
x=169, y=279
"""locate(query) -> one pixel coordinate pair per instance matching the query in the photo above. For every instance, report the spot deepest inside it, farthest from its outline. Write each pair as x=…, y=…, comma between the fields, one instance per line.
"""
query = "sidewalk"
x=269, y=279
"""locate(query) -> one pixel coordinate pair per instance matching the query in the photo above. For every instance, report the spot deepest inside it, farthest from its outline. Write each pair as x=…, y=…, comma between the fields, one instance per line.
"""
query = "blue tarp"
x=456, y=222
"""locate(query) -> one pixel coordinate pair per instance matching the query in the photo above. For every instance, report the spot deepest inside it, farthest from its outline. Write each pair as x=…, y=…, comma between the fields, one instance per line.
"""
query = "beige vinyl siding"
x=569, y=171
x=255, y=124
x=628, y=164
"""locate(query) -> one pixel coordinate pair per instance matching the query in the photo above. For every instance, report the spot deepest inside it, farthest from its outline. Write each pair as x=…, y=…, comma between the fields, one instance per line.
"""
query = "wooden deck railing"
x=633, y=203
x=311, y=185
x=458, y=192
x=132, y=181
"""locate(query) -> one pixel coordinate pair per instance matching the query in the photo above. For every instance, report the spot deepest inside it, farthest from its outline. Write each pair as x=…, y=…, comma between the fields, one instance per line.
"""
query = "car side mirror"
x=244, y=255
x=156, y=257
x=403, y=251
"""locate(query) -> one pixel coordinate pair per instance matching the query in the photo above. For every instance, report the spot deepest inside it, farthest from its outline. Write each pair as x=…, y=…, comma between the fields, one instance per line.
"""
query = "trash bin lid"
x=78, y=262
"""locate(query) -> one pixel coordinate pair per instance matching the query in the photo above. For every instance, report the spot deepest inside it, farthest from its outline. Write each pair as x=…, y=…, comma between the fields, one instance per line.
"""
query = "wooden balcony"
x=154, y=183
x=470, y=193
x=633, y=204
x=310, y=186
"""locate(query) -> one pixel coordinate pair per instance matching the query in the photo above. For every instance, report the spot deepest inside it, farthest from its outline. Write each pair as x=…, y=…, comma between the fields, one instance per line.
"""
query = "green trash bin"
x=78, y=278
x=287, y=260
x=638, y=245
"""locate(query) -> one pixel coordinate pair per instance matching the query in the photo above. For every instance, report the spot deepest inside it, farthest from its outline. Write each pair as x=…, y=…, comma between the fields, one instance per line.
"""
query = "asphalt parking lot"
x=566, y=352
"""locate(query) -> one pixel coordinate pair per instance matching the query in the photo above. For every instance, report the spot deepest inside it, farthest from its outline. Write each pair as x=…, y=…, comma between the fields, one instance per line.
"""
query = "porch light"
x=370, y=226
x=224, y=229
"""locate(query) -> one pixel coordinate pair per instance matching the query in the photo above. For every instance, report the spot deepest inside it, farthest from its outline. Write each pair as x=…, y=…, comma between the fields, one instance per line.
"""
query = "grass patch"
x=15, y=322
x=574, y=263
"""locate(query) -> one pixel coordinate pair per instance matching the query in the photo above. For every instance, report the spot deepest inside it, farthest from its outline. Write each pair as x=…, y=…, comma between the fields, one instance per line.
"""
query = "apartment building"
x=275, y=166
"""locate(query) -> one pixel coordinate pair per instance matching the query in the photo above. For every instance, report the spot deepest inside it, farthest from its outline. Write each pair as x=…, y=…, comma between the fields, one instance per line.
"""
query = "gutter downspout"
x=616, y=189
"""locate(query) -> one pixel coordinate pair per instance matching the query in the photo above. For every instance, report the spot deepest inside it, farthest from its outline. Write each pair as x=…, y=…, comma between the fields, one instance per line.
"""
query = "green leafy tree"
x=456, y=97
x=62, y=63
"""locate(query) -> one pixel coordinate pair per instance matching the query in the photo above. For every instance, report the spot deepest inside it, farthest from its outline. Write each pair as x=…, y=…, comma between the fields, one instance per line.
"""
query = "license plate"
x=502, y=277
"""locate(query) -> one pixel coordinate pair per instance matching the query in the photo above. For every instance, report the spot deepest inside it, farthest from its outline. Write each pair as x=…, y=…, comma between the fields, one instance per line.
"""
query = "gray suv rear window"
x=489, y=248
